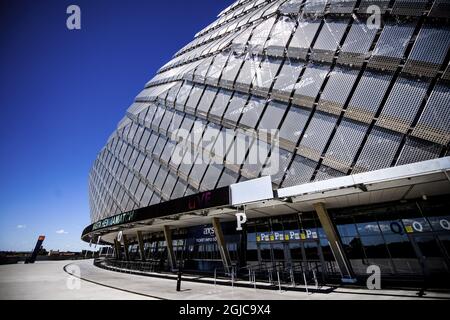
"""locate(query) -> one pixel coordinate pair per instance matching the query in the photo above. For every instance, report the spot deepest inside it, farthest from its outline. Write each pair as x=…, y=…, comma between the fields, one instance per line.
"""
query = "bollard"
x=215, y=276
x=179, y=277
x=179, y=280
x=254, y=280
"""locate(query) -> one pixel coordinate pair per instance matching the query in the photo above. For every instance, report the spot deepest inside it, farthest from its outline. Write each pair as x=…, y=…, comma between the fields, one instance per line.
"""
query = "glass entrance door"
x=306, y=256
x=432, y=253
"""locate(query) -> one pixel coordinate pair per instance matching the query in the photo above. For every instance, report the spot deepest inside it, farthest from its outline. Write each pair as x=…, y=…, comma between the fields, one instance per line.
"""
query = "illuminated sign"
x=202, y=234
x=204, y=200
x=287, y=235
x=114, y=220
x=201, y=200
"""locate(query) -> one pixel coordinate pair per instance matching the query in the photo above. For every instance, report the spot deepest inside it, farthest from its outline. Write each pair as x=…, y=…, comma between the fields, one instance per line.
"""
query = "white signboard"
x=251, y=191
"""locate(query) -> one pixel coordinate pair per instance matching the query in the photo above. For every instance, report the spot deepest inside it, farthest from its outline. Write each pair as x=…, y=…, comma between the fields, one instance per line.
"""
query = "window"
x=212, y=174
x=416, y=150
x=265, y=76
x=302, y=39
x=292, y=127
x=176, y=122
x=150, y=114
x=272, y=115
x=197, y=172
x=167, y=118
x=291, y=7
x=228, y=177
x=341, y=6
x=169, y=185
x=230, y=71
x=194, y=97
x=357, y=44
x=186, y=165
x=434, y=123
x=247, y=73
x=368, y=95
x=224, y=139
x=259, y=35
x=219, y=105
x=145, y=167
x=252, y=112
x=316, y=135
x=345, y=144
x=238, y=149
x=337, y=90
x=409, y=7
x=183, y=95
x=279, y=36
x=167, y=153
x=209, y=137
x=426, y=57
x=159, y=114
x=240, y=41
x=315, y=6
x=146, y=197
x=201, y=71
x=300, y=171
x=439, y=9
x=235, y=109
x=402, y=104
x=391, y=45
x=379, y=150
x=284, y=158
x=256, y=158
x=159, y=146
x=215, y=70
x=365, y=4
x=329, y=39
x=286, y=80
x=307, y=89
x=178, y=191
x=153, y=172
x=197, y=132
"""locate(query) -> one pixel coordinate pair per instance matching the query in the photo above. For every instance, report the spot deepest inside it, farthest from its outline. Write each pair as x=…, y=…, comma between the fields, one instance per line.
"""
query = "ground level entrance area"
x=408, y=242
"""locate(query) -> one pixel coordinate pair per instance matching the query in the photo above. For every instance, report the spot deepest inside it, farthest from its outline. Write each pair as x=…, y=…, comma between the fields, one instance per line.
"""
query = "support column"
x=126, y=247
x=117, y=249
x=335, y=243
x=141, y=245
x=221, y=244
x=169, y=244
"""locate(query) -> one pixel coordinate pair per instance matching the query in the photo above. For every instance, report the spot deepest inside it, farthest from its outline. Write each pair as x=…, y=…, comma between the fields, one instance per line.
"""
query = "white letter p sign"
x=241, y=218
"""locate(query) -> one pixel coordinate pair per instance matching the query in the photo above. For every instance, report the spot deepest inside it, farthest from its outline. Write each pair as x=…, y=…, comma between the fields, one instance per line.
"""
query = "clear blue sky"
x=63, y=92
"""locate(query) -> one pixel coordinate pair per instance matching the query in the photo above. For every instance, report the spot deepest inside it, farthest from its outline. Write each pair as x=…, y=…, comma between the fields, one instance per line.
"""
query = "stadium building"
x=304, y=137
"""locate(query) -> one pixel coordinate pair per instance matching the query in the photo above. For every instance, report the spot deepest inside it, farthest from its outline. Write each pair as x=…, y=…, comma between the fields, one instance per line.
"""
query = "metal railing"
x=278, y=273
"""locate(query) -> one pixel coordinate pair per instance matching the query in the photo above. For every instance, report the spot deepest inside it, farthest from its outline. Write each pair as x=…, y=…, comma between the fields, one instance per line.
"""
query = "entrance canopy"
x=417, y=180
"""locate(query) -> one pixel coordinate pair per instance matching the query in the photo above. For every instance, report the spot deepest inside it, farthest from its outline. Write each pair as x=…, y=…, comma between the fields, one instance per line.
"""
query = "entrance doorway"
x=431, y=249
x=294, y=258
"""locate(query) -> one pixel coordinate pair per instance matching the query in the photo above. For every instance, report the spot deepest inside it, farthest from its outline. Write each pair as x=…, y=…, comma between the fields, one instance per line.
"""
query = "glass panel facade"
x=346, y=99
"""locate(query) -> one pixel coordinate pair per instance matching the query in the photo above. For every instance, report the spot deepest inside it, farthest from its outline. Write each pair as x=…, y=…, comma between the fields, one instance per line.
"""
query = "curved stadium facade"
x=322, y=127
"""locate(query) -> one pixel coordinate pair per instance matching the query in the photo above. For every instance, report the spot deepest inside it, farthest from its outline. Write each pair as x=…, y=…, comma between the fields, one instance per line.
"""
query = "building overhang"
x=257, y=199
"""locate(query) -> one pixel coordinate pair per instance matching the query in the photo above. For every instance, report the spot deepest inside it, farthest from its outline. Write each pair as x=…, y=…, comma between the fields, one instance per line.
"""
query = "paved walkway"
x=51, y=280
